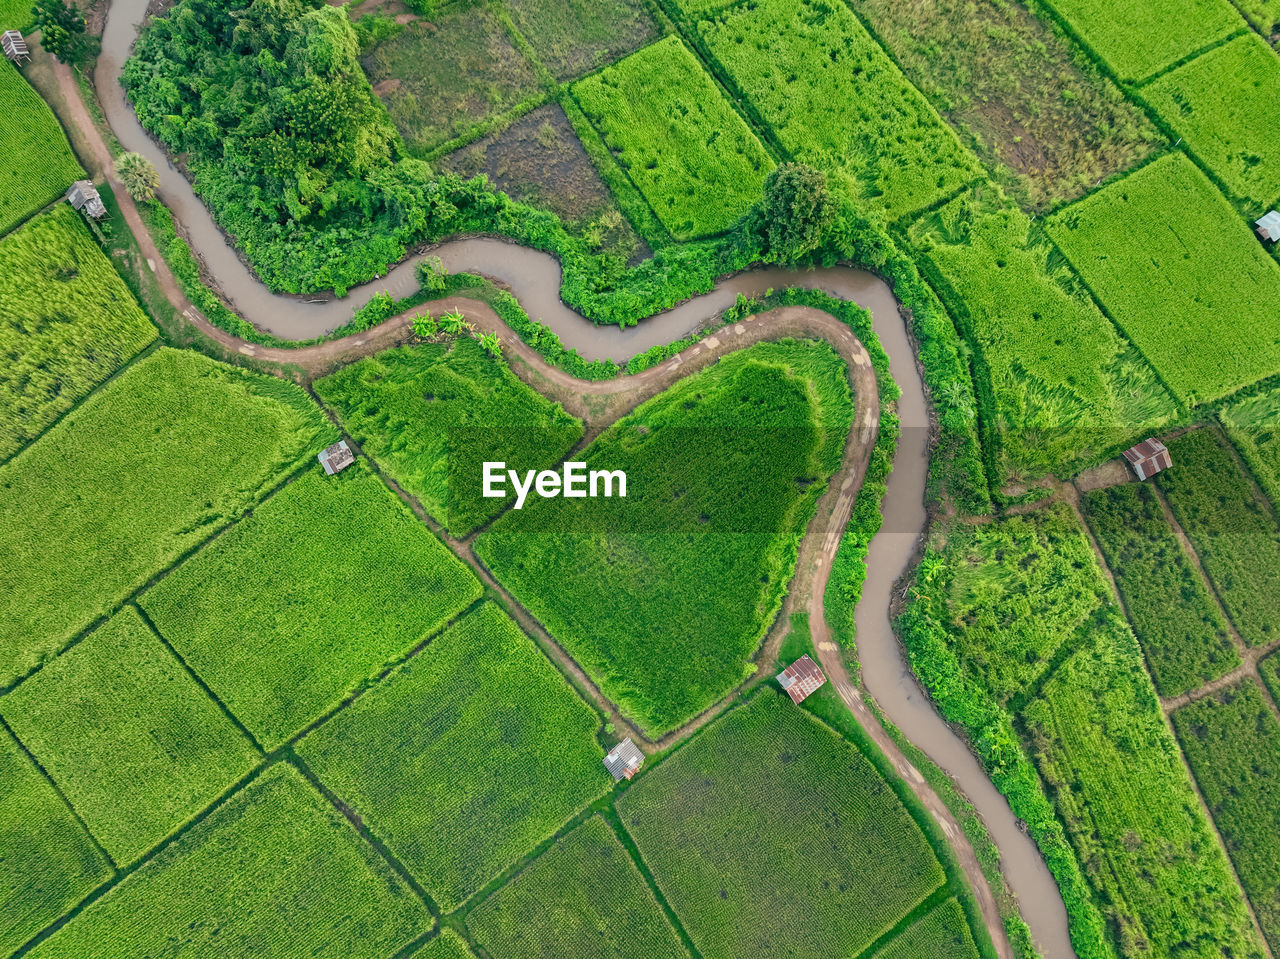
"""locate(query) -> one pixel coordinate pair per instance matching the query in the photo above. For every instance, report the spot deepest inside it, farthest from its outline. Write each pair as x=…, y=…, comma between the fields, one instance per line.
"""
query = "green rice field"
x=447, y=945
x=1269, y=668
x=942, y=933
x=67, y=322
x=36, y=162
x=1153, y=248
x=1253, y=423
x=308, y=599
x=584, y=898
x=145, y=469
x=129, y=737
x=466, y=758
x=274, y=872
x=724, y=469
x=694, y=159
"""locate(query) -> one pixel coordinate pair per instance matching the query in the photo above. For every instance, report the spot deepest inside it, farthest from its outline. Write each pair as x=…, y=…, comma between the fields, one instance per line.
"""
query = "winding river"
x=534, y=277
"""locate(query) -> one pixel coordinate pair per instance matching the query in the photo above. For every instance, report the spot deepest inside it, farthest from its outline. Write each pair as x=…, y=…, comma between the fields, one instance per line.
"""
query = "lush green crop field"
x=584, y=898
x=1232, y=741
x=1065, y=387
x=67, y=322
x=663, y=596
x=431, y=415
x=1220, y=104
x=447, y=945
x=1120, y=786
x=273, y=872
x=1253, y=424
x=309, y=597
x=14, y=14
x=467, y=757
x=144, y=470
x=1180, y=627
x=836, y=100
x=1269, y=668
x=1233, y=530
x=1154, y=247
x=942, y=933
x=694, y=159
x=48, y=862
x=133, y=742
x=768, y=834
x=576, y=36
x=440, y=78
x=1263, y=14
x=1033, y=104
x=36, y=162
x=1025, y=587
x=1138, y=38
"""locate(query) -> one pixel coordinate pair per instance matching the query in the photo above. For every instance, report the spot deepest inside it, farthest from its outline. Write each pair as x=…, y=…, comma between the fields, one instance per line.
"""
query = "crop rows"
x=1065, y=386
x=275, y=872
x=447, y=945
x=36, y=162
x=694, y=159
x=663, y=596
x=1181, y=630
x=1232, y=741
x=1119, y=784
x=1217, y=105
x=1154, y=248
x=67, y=322
x=942, y=933
x=1233, y=530
x=583, y=898
x=836, y=100
x=1269, y=668
x=763, y=831
x=1253, y=424
x=133, y=742
x=163, y=455
x=466, y=757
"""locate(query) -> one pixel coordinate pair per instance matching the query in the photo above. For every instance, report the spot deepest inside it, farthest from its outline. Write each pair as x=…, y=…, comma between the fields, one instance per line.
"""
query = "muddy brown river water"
x=534, y=277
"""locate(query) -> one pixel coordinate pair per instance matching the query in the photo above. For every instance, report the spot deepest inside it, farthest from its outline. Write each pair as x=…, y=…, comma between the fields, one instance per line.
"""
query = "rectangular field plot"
x=1138, y=38
x=1065, y=386
x=943, y=933
x=308, y=598
x=144, y=470
x=466, y=757
x=1181, y=274
x=36, y=162
x=584, y=898
x=431, y=415
x=67, y=322
x=440, y=78
x=694, y=159
x=1233, y=530
x=49, y=862
x=1223, y=105
x=1181, y=630
x=769, y=835
x=274, y=873
x=663, y=596
x=1253, y=424
x=133, y=742
x=1232, y=741
x=573, y=37
x=1120, y=787
x=836, y=100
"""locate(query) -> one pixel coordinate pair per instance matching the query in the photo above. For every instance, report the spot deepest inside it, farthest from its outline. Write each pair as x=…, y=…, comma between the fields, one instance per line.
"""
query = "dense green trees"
x=796, y=211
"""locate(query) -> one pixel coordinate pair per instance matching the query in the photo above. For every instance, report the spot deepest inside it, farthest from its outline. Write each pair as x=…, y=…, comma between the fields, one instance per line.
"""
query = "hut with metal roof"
x=15, y=47
x=336, y=458
x=1269, y=227
x=801, y=679
x=83, y=195
x=623, y=760
x=1148, y=458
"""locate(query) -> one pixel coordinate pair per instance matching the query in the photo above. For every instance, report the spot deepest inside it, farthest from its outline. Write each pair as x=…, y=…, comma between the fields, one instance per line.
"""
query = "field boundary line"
x=1196, y=54
x=31, y=757
x=226, y=711
x=913, y=915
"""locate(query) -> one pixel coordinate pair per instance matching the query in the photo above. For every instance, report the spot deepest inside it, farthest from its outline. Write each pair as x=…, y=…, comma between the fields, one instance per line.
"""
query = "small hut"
x=801, y=679
x=336, y=458
x=624, y=759
x=15, y=47
x=83, y=195
x=1269, y=227
x=1148, y=458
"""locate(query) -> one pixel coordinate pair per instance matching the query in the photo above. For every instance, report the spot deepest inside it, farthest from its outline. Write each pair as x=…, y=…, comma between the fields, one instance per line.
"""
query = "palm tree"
x=138, y=175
